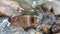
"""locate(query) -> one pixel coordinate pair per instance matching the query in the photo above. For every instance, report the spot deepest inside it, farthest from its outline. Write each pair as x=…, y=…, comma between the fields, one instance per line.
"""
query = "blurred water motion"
x=4, y=22
x=30, y=6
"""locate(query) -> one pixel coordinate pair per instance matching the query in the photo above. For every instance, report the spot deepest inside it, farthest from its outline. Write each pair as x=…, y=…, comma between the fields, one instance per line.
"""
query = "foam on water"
x=4, y=23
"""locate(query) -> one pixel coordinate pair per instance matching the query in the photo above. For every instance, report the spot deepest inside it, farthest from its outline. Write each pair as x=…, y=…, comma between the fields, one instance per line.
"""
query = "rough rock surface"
x=25, y=21
x=10, y=8
x=29, y=24
x=53, y=6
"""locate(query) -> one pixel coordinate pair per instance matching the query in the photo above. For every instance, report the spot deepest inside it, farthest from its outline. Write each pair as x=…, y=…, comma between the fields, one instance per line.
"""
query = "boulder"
x=13, y=4
x=25, y=21
x=6, y=11
x=52, y=6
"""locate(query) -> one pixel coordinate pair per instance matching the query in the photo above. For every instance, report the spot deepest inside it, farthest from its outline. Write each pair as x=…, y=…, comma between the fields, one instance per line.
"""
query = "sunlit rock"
x=25, y=21
x=52, y=6
x=13, y=4
x=6, y=11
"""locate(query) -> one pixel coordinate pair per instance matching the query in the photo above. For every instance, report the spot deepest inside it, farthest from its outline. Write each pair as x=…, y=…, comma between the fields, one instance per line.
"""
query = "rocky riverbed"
x=29, y=17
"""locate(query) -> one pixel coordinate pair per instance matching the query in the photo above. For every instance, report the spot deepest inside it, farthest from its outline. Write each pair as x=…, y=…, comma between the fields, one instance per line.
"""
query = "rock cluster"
x=44, y=19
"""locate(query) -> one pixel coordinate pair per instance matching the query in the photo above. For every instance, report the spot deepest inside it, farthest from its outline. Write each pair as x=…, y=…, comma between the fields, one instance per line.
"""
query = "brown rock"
x=47, y=5
x=44, y=28
x=6, y=11
x=57, y=33
x=52, y=6
x=26, y=21
x=10, y=8
x=13, y=4
x=38, y=33
x=58, y=23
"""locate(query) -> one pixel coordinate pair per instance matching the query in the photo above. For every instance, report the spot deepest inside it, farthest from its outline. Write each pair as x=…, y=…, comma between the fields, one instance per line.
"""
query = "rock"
x=44, y=27
x=47, y=5
x=56, y=29
x=58, y=23
x=6, y=11
x=56, y=8
x=52, y=6
x=25, y=21
x=57, y=33
x=38, y=32
x=13, y=4
x=10, y=8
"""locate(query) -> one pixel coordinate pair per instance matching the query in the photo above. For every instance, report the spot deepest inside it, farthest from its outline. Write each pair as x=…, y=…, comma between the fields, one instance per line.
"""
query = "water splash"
x=4, y=23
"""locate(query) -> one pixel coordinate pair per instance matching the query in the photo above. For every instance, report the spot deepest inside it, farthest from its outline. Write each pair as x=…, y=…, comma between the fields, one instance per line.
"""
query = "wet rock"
x=25, y=21
x=10, y=8
x=52, y=6
x=6, y=11
x=13, y=4
x=56, y=29
x=31, y=31
x=52, y=17
x=58, y=23
x=47, y=6
x=38, y=32
x=44, y=27
x=57, y=33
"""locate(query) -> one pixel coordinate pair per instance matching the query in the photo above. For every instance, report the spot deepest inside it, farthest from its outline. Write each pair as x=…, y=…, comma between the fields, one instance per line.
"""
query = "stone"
x=38, y=33
x=13, y=4
x=10, y=8
x=55, y=29
x=6, y=11
x=52, y=6
x=58, y=23
x=57, y=33
x=25, y=21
